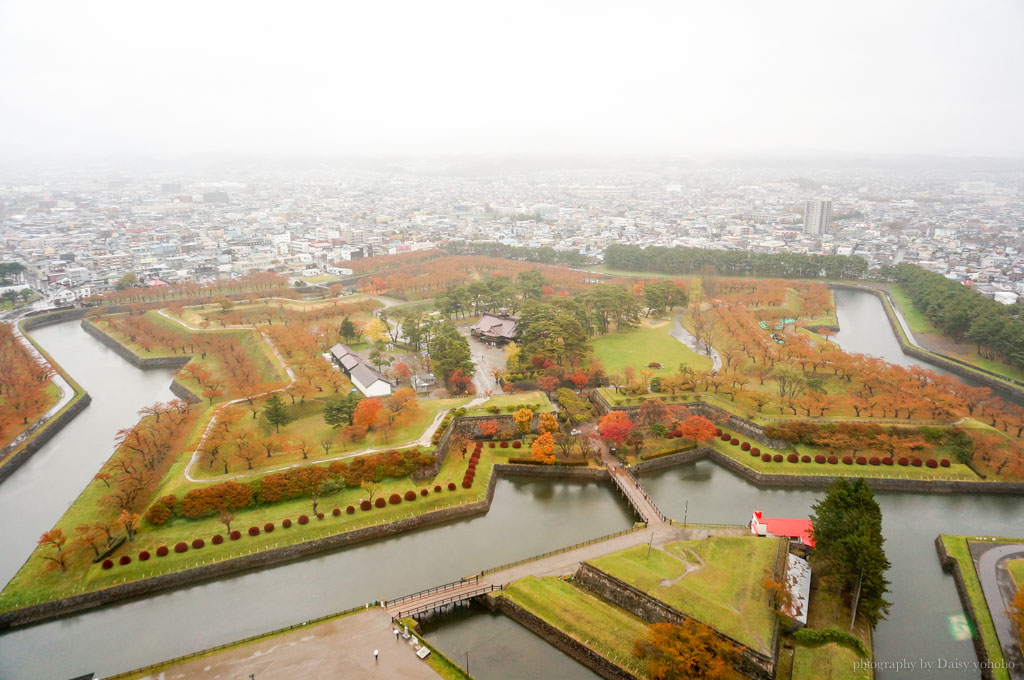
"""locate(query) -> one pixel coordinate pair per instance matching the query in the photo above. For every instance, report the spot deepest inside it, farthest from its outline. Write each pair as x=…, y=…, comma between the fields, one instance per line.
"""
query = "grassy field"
x=52, y=397
x=505, y=401
x=956, y=546
x=33, y=584
x=605, y=628
x=1016, y=568
x=915, y=319
x=832, y=661
x=638, y=347
x=716, y=580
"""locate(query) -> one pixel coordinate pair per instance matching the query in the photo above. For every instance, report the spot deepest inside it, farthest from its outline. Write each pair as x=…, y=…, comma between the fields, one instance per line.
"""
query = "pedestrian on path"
x=396, y=634
x=376, y=653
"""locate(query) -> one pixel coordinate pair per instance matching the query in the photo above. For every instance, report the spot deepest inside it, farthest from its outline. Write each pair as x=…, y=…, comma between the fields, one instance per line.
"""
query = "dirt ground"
x=342, y=648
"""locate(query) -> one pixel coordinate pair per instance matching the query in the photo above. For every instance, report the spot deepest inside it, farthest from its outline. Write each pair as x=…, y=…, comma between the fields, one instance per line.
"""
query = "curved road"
x=999, y=589
x=684, y=336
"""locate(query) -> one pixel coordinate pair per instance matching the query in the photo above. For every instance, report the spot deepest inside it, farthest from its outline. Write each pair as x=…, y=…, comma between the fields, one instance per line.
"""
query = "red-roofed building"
x=799, y=530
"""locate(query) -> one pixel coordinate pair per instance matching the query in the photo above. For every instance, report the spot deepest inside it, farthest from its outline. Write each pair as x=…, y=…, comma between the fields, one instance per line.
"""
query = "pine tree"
x=347, y=329
x=276, y=412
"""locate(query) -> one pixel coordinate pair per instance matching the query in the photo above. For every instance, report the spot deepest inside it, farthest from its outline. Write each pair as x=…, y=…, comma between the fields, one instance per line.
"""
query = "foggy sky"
x=170, y=79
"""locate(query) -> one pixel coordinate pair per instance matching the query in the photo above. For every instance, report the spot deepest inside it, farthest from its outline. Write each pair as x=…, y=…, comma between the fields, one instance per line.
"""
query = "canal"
x=527, y=517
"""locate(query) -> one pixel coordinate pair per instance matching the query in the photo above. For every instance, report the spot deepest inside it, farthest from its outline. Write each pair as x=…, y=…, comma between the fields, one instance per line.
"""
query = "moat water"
x=526, y=518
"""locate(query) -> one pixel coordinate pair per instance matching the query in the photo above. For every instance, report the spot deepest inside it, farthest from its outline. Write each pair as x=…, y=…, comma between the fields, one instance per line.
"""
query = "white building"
x=817, y=217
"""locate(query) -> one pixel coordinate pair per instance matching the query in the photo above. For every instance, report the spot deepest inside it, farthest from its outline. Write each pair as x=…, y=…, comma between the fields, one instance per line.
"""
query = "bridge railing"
x=643, y=493
x=436, y=589
x=434, y=604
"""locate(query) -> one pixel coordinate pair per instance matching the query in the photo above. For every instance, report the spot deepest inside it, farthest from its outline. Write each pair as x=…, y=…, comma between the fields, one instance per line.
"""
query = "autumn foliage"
x=690, y=650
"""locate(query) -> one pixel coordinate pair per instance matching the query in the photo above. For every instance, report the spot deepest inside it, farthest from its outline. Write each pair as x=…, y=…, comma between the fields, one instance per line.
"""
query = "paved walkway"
x=342, y=648
x=687, y=338
x=998, y=587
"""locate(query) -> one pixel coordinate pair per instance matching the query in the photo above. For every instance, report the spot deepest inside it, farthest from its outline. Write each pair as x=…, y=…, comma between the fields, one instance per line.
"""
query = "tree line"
x=961, y=313
x=683, y=260
x=543, y=254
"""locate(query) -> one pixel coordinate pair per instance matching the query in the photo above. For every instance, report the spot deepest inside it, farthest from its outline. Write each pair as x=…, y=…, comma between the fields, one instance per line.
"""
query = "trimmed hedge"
x=124, y=559
x=755, y=454
x=107, y=564
x=380, y=502
x=819, y=458
x=944, y=462
x=887, y=460
x=286, y=523
x=766, y=457
x=235, y=534
x=198, y=543
x=467, y=483
x=916, y=462
x=336, y=512
x=833, y=460
x=805, y=458
x=268, y=527
x=778, y=457
x=793, y=458
x=144, y=555
x=180, y=547
x=254, y=531
x=162, y=551
x=745, y=446
x=451, y=486
x=410, y=495
x=756, y=451
x=504, y=444
x=847, y=460
x=811, y=637
x=217, y=539
x=437, y=488
x=365, y=505
x=319, y=515
x=424, y=492
x=394, y=499
x=734, y=442
x=350, y=510
x=875, y=460
x=303, y=519
x=931, y=463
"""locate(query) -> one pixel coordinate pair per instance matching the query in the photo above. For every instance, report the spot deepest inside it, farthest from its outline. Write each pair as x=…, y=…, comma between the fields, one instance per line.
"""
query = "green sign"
x=959, y=627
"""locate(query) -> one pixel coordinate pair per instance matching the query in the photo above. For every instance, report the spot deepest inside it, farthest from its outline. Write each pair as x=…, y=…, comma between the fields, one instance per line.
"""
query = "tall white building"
x=817, y=217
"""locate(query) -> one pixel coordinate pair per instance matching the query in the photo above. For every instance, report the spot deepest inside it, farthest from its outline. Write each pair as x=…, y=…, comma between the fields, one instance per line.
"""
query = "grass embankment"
x=831, y=660
x=1016, y=568
x=956, y=547
x=638, y=347
x=716, y=580
x=52, y=396
x=34, y=584
x=438, y=660
x=510, y=403
x=603, y=627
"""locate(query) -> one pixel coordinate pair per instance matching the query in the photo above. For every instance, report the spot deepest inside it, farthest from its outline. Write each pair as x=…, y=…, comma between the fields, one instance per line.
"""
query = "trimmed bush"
x=336, y=512
x=756, y=451
x=875, y=460
x=718, y=432
x=286, y=523
x=235, y=534
x=268, y=527
x=180, y=547
x=931, y=463
x=410, y=495
x=504, y=444
x=833, y=460
x=303, y=519
x=734, y=442
x=755, y=454
x=490, y=445
x=254, y=531
x=820, y=458
x=319, y=515
x=107, y=564
x=745, y=446
x=124, y=559
x=144, y=555
x=198, y=543
x=365, y=505
x=517, y=444
x=394, y=499
x=793, y=458
x=380, y=502
x=903, y=461
x=861, y=460
x=944, y=462
x=217, y=539
x=916, y=462
x=805, y=458
x=726, y=436
x=451, y=486
x=887, y=460
x=162, y=551
x=424, y=492
x=847, y=460
x=467, y=483
x=350, y=510
x=766, y=457
x=778, y=457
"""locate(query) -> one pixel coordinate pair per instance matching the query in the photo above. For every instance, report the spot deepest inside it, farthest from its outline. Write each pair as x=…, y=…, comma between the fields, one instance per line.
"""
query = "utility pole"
x=649, y=543
x=686, y=507
x=467, y=662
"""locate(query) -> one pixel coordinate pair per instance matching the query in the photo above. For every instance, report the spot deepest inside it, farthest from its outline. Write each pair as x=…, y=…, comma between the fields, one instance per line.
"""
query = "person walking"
x=376, y=653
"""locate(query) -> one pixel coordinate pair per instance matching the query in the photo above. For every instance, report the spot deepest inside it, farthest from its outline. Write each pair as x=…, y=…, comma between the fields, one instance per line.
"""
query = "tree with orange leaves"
x=688, y=650
x=54, y=540
x=697, y=428
x=615, y=426
x=544, y=449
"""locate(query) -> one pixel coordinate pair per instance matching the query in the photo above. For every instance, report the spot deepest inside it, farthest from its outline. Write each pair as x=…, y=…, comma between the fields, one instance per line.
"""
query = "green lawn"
x=956, y=546
x=638, y=347
x=1016, y=568
x=915, y=319
x=33, y=584
x=505, y=401
x=832, y=661
x=605, y=628
x=724, y=592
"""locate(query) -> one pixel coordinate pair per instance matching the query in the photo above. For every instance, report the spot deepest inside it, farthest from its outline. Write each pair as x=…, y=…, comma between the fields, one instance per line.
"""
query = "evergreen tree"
x=276, y=412
x=849, y=546
x=339, y=411
x=449, y=352
x=348, y=329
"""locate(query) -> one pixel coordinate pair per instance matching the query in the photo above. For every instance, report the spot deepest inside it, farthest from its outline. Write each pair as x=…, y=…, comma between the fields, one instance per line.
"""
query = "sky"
x=178, y=79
